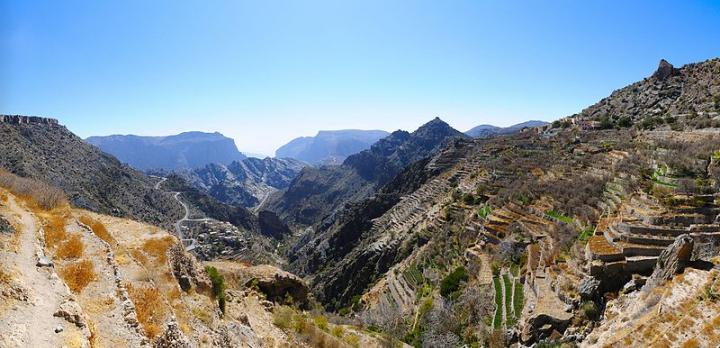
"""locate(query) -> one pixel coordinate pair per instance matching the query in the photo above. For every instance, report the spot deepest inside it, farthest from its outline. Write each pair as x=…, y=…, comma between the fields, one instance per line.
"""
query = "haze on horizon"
x=266, y=72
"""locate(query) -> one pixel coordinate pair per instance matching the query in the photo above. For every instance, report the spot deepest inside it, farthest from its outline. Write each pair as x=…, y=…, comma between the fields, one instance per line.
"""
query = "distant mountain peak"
x=329, y=146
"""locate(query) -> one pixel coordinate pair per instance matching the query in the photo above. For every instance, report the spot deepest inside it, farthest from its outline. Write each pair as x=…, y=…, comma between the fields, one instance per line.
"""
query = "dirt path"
x=31, y=323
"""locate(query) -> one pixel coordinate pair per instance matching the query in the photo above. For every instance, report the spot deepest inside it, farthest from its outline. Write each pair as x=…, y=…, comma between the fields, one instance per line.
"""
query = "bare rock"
x=185, y=270
x=71, y=312
x=236, y=335
x=589, y=288
x=277, y=284
x=665, y=70
x=172, y=337
x=673, y=259
x=44, y=261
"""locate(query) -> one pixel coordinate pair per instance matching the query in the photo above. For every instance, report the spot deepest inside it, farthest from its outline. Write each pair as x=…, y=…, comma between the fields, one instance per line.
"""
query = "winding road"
x=178, y=224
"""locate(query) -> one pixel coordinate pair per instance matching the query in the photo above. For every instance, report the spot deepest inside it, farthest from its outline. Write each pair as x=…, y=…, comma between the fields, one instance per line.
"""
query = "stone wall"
x=27, y=119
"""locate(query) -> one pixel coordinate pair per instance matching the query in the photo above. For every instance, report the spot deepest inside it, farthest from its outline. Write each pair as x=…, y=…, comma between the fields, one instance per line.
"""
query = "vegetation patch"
x=484, y=211
x=54, y=230
x=451, y=283
x=518, y=300
x=508, y=300
x=158, y=247
x=554, y=214
x=77, y=275
x=218, y=282
x=497, y=320
x=72, y=248
x=150, y=308
x=34, y=192
x=98, y=229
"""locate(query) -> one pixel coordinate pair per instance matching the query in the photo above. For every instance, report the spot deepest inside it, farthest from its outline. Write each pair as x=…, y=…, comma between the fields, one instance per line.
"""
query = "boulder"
x=71, y=312
x=673, y=259
x=589, y=288
x=44, y=261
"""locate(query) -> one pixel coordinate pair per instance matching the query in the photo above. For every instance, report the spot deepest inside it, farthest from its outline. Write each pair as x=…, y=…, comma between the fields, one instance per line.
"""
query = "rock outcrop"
x=665, y=70
x=172, y=337
x=27, y=119
x=277, y=284
x=673, y=259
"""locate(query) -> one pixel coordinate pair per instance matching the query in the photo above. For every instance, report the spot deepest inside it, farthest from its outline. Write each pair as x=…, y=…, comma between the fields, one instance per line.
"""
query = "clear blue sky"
x=264, y=72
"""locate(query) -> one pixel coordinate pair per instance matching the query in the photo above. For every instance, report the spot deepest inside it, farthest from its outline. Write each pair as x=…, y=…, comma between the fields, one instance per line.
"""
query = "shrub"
x=624, y=122
x=353, y=340
x=321, y=322
x=78, y=275
x=590, y=310
x=46, y=197
x=54, y=230
x=98, y=228
x=338, y=331
x=71, y=249
x=282, y=317
x=158, y=247
x=451, y=282
x=218, y=282
x=150, y=308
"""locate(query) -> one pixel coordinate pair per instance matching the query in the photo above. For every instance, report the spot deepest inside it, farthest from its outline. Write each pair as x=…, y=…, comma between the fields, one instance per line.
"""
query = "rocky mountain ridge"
x=42, y=149
x=318, y=192
x=247, y=182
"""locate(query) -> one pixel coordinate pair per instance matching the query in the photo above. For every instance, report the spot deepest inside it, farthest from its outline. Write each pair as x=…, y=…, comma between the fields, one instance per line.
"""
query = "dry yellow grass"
x=691, y=343
x=5, y=276
x=72, y=248
x=55, y=230
x=158, y=247
x=99, y=229
x=77, y=275
x=139, y=256
x=150, y=308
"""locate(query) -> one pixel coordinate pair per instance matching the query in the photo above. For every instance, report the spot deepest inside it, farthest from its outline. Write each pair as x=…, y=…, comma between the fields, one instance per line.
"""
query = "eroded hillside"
x=74, y=278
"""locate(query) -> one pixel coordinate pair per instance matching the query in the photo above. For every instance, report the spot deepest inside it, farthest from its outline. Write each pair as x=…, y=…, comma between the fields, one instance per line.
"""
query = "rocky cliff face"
x=247, y=182
x=318, y=192
x=182, y=151
x=329, y=147
x=41, y=149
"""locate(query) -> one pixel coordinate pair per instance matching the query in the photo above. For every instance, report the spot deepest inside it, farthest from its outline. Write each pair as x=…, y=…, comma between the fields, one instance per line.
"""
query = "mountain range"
x=486, y=130
x=182, y=151
x=329, y=147
x=601, y=229
x=317, y=192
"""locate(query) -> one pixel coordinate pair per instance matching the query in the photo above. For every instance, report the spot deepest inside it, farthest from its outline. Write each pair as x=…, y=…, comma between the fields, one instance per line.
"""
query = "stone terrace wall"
x=27, y=119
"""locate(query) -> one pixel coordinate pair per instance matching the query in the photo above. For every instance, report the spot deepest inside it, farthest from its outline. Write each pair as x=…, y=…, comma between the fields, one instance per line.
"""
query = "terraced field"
x=509, y=300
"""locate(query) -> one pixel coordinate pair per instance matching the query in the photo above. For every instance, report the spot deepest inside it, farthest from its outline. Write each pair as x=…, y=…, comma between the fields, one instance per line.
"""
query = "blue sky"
x=264, y=72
